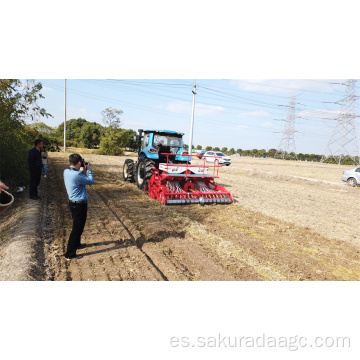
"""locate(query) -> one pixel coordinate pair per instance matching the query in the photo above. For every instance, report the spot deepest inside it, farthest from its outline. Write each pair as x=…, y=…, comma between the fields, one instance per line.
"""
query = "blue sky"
x=244, y=114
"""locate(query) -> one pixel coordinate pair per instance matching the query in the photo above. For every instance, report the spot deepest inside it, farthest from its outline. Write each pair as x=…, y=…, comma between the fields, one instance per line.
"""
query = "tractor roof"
x=164, y=131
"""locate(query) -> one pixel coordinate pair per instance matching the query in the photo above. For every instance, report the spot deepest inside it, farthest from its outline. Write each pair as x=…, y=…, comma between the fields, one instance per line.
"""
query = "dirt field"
x=281, y=227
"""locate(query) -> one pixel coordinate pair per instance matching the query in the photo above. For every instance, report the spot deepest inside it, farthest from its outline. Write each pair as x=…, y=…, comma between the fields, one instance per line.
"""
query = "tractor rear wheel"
x=128, y=173
x=144, y=171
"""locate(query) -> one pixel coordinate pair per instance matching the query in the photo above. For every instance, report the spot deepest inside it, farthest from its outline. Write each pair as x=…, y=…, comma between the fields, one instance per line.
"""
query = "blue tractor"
x=165, y=173
x=152, y=144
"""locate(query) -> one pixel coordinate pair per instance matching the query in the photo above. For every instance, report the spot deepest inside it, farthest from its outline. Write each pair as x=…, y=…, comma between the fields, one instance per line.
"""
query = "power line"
x=343, y=142
x=206, y=96
x=287, y=143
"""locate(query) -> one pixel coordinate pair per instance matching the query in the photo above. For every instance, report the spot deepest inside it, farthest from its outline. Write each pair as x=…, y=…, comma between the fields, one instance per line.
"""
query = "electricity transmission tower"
x=287, y=143
x=343, y=144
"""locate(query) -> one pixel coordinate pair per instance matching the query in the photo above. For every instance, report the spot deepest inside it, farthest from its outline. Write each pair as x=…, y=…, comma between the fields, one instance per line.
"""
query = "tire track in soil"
x=110, y=254
x=179, y=255
x=271, y=249
x=125, y=232
x=294, y=251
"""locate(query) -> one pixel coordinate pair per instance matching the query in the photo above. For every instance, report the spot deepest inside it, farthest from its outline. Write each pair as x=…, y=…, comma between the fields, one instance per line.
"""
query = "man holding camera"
x=76, y=178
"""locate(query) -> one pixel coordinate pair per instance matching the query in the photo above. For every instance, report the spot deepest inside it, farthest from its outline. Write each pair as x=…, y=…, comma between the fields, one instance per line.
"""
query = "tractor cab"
x=154, y=143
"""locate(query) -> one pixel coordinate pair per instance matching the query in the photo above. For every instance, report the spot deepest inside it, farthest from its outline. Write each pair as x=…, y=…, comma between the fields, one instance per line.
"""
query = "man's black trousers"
x=78, y=213
x=35, y=176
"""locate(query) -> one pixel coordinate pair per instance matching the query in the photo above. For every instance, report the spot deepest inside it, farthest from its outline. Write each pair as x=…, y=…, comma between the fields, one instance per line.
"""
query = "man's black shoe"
x=74, y=257
x=82, y=246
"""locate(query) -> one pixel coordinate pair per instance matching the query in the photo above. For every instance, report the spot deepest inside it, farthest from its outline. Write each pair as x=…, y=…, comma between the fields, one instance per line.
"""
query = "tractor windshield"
x=167, y=141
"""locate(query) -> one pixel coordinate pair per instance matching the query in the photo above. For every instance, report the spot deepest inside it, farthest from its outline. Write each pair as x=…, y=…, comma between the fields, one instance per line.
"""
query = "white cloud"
x=319, y=114
x=255, y=113
x=267, y=125
x=74, y=113
x=238, y=127
x=130, y=124
x=46, y=89
x=287, y=86
x=182, y=107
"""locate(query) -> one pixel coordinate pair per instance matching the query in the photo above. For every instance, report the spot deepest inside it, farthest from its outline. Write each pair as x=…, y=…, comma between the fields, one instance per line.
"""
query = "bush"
x=109, y=146
x=17, y=100
x=14, y=147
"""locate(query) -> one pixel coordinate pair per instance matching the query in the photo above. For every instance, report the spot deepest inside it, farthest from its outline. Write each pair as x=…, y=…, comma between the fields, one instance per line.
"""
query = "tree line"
x=272, y=153
x=107, y=140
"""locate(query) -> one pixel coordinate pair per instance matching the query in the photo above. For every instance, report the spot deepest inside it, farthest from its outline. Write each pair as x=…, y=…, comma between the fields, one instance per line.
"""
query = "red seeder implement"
x=187, y=184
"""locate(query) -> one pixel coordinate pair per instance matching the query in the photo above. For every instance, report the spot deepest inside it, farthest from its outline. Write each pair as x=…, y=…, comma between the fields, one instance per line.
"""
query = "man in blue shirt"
x=76, y=178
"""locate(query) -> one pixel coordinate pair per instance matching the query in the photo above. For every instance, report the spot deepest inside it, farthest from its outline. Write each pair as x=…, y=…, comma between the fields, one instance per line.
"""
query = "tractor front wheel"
x=128, y=173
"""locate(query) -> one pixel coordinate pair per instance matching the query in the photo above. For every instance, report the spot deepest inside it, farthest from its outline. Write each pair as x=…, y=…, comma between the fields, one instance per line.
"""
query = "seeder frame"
x=187, y=187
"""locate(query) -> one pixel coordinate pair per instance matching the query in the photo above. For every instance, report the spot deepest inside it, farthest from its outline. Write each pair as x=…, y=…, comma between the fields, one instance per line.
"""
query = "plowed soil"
x=280, y=227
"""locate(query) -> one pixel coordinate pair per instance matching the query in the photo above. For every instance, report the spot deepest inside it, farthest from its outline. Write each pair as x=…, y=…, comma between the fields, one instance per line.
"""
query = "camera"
x=84, y=163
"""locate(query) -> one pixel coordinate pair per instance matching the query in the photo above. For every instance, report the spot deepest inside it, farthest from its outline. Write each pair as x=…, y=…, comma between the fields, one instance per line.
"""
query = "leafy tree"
x=73, y=131
x=110, y=145
x=208, y=148
x=199, y=147
x=114, y=144
x=111, y=117
x=272, y=153
x=90, y=135
x=262, y=152
x=18, y=102
x=292, y=156
x=216, y=149
x=224, y=149
x=40, y=130
x=239, y=151
x=232, y=151
x=186, y=146
x=127, y=139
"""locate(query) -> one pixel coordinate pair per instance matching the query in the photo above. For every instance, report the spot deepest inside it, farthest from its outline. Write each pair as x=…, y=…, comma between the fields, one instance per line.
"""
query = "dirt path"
x=132, y=237
x=21, y=247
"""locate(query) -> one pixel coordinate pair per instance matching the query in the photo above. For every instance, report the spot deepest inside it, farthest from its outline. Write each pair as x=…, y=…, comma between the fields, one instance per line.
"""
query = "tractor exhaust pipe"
x=139, y=139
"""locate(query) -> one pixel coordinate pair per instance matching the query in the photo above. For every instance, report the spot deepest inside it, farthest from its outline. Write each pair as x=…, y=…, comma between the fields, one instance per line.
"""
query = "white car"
x=218, y=156
x=352, y=176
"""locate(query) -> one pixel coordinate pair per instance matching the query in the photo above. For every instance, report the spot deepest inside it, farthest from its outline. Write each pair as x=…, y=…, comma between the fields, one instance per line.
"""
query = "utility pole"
x=287, y=143
x=192, y=119
x=65, y=121
x=343, y=143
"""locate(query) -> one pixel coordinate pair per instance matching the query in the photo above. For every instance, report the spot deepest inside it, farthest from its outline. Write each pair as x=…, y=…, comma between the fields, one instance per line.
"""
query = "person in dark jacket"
x=35, y=167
